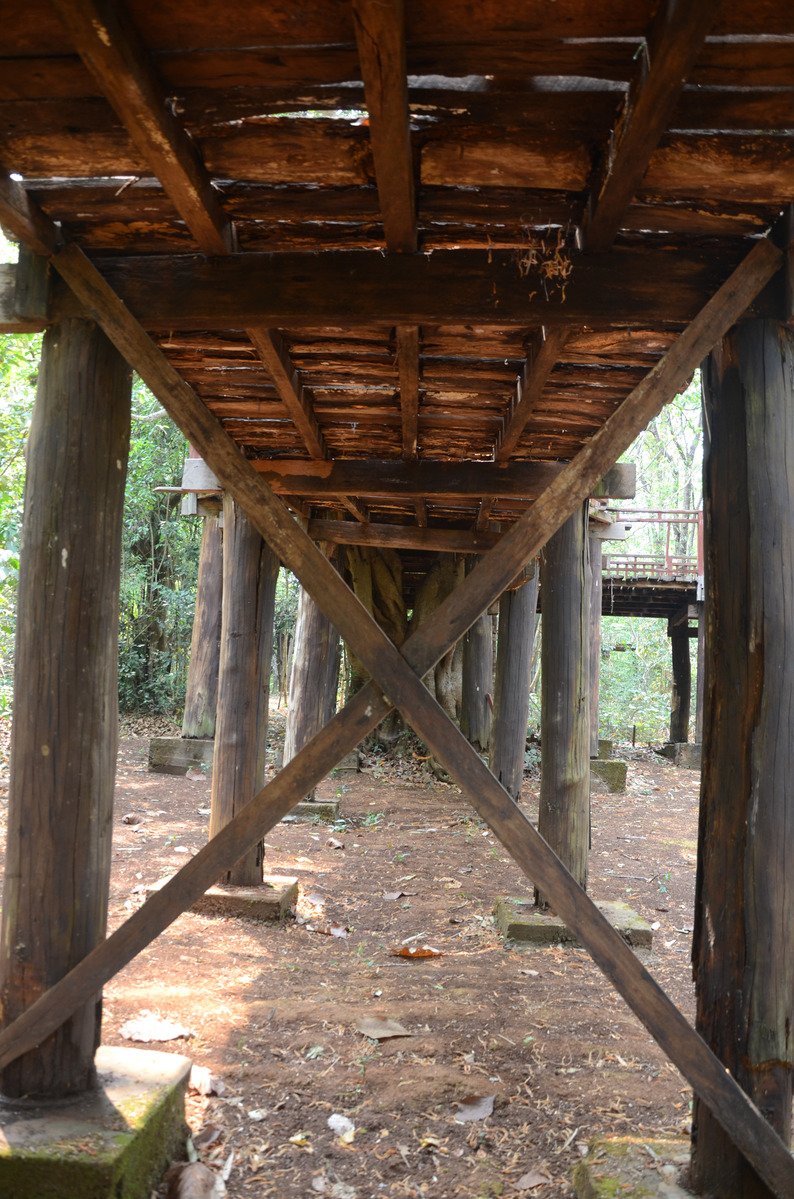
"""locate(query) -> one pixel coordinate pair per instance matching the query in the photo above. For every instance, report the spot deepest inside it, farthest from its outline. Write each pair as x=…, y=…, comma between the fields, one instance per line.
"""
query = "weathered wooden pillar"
x=476, y=706
x=250, y=569
x=564, y=810
x=516, y=636
x=682, y=684
x=701, y=669
x=65, y=728
x=201, y=692
x=743, y=953
x=313, y=679
x=595, y=598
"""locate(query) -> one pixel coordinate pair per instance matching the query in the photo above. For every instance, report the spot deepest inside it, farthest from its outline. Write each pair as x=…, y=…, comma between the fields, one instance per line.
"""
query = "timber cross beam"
x=399, y=676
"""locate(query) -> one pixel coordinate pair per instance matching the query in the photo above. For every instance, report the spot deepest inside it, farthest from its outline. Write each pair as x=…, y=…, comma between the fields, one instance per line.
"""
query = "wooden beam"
x=417, y=479
x=111, y=48
x=408, y=365
x=399, y=676
x=23, y=220
x=529, y=388
x=380, y=37
x=629, y=286
x=409, y=537
x=297, y=399
x=12, y=318
x=673, y=45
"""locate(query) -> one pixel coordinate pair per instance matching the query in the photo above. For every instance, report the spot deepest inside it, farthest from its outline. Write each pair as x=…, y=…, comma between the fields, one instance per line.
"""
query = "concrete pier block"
x=522, y=924
x=272, y=900
x=177, y=755
x=608, y=775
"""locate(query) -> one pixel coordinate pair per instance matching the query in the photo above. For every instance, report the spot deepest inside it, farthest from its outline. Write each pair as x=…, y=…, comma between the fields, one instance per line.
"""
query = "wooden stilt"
x=476, y=708
x=201, y=693
x=65, y=728
x=313, y=679
x=682, y=684
x=517, y=621
x=744, y=934
x=564, y=812
x=701, y=668
x=596, y=580
x=250, y=569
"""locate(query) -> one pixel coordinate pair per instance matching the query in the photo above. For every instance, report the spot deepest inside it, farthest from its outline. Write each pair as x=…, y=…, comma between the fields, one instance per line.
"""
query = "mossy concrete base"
x=177, y=755
x=349, y=764
x=608, y=775
x=270, y=901
x=321, y=811
x=605, y=749
x=634, y=1167
x=522, y=924
x=112, y=1143
x=682, y=753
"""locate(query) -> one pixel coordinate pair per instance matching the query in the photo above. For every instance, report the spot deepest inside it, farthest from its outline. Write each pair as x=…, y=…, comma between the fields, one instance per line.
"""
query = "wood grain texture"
x=680, y=698
x=596, y=589
x=537, y=368
x=65, y=731
x=411, y=537
x=201, y=689
x=517, y=621
x=313, y=678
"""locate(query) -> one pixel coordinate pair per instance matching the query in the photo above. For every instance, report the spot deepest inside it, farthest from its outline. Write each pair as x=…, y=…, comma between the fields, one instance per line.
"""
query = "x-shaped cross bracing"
x=397, y=682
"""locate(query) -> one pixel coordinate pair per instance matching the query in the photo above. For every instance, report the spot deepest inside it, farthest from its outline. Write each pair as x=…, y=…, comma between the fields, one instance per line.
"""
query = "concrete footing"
x=270, y=901
x=324, y=811
x=523, y=925
x=177, y=755
x=348, y=765
x=682, y=753
x=605, y=748
x=633, y=1167
x=112, y=1143
x=607, y=775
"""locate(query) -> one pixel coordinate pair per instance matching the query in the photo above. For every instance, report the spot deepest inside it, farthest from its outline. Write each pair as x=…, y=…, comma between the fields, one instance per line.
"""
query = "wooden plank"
x=629, y=286
x=449, y=541
x=110, y=47
x=408, y=366
x=672, y=48
x=23, y=220
x=414, y=479
x=380, y=37
x=529, y=388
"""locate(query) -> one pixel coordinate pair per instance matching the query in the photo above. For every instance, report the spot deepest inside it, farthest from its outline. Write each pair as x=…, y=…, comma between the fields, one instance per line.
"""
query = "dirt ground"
x=537, y=1034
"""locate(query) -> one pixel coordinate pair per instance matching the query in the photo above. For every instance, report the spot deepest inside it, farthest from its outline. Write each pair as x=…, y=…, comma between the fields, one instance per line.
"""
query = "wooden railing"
x=667, y=565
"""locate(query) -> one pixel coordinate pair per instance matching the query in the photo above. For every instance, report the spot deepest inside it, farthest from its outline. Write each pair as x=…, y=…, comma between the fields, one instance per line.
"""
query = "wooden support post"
x=596, y=579
x=682, y=684
x=201, y=693
x=701, y=675
x=743, y=951
x=65, y=728
x=516, y=636
x=476, y=705
x=313, y=678
x=564, y=812
x=250, y=569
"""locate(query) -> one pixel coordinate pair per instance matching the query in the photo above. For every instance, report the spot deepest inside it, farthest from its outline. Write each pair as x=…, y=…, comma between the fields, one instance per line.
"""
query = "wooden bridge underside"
x=495, y=234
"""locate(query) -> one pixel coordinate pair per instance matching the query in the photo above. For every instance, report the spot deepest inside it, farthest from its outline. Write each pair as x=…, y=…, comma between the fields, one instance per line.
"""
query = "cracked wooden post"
x=516, y=637
x=65, y=728
x=743, y=951
x=682, y=684
x=201, y=691
x=313, y=678
x=564, y=810
x=250, y=569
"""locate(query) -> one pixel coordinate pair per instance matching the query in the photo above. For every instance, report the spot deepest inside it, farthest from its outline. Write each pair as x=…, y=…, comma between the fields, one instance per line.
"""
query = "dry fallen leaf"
x=393, y=895
x=416, y=951
x=203, y=1082
x=475, y=1109
x=334, y=843
x=150, y=1027
x=381, y=1030
x=532, y=1179
x=131, y=818
x=194, y=1180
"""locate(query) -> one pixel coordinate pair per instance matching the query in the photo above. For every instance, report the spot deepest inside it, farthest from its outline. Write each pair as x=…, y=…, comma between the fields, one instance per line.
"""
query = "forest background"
x=160, y=557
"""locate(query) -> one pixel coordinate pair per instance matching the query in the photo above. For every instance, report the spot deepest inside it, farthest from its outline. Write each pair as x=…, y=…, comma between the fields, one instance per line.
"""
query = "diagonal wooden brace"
x=403, y=684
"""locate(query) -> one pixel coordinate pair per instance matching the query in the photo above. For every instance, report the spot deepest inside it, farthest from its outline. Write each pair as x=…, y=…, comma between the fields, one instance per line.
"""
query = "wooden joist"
x=399, y=676
x=408, y=366
x=538, y=366
x=445, y=541
x=628, y=286
x=673, y=46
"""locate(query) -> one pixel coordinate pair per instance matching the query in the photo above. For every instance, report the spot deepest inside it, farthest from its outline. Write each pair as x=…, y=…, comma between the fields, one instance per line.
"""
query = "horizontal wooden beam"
x=405, y=537
x=630, y=286
x=529, y=388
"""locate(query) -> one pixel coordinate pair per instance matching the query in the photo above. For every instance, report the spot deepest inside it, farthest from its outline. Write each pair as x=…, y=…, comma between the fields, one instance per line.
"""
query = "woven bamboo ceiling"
x=454, y=237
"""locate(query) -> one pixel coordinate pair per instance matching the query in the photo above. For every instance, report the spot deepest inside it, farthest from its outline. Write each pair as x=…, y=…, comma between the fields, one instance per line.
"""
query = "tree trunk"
x=313, y=679
x=564, y=811
x=65, y=728
x=201, y=693
x=517, y=621
x=743, y=952
x=682, y=684
x=596, y=580
x=250, y=570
